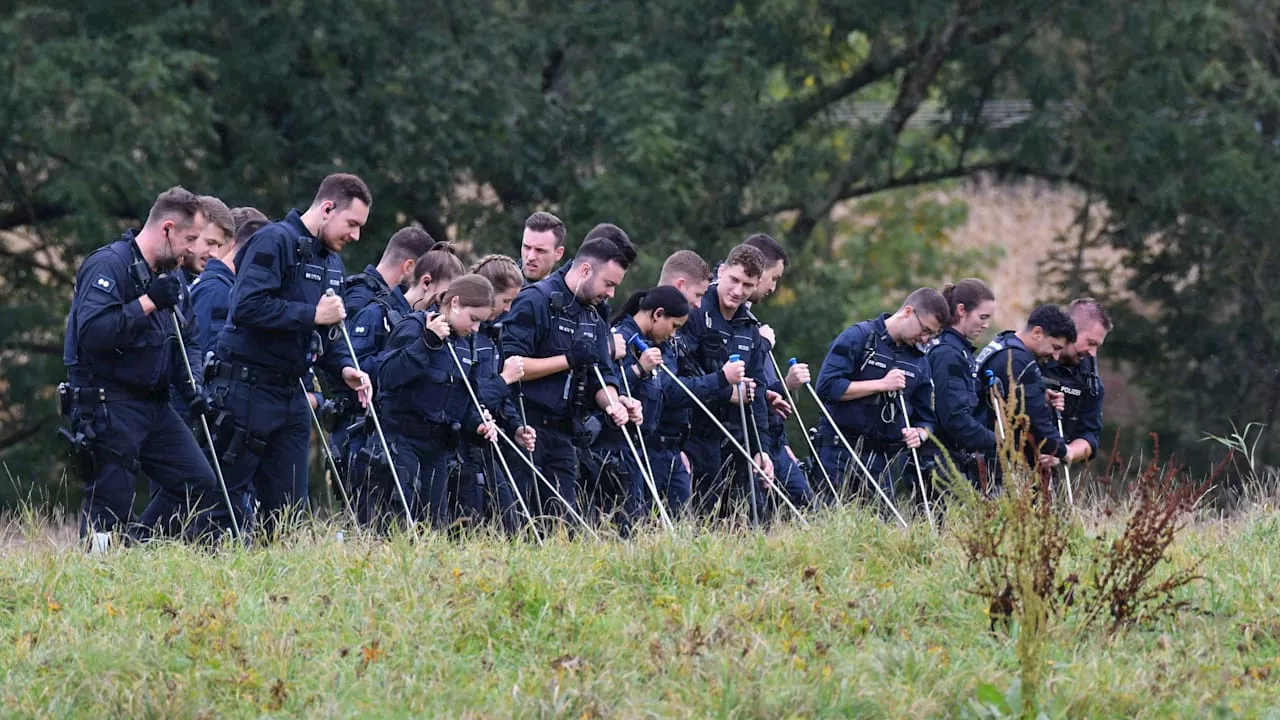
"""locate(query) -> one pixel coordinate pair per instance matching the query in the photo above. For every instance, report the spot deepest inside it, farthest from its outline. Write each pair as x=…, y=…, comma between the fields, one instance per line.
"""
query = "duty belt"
x=667, y=441
x=420, y=429
x=238, y=372
x=538, y=419
x=91, y=394
x=868, y=444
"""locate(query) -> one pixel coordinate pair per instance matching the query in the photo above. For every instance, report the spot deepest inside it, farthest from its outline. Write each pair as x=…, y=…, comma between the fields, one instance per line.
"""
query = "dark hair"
x=216, y=212
x=599, y=250
x=176, y=203
x=341, y=189
x=1088, y=308
x=668, y=298
x=408, y=243
x=927, y=301
x=501, y=271
x=750, y=259
x=247, y=221
x=615, y=235
x=685, y=263
x=471, y=291
x=970, y=292
x=772, y=249
x=1054, y=321
x=546, y=222
x=441, y=261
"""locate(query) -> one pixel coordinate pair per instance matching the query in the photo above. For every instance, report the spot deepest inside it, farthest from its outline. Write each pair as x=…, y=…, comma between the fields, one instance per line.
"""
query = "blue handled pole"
x=641, y=345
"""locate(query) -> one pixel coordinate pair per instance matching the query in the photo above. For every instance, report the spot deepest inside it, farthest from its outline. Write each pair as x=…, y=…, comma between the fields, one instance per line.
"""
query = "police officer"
x=1016, y=384
x=958, y=431
x=1075, y=375
x=425, y=402
x=216, y=234
x=431, y=275
x=787, y=470
x=722, y=327
x=541, y=246
x=555, y=325
x=211, y=291
x=394, y=269
x=482, y=489
x=865, y=371
x=281, y=322
x=122, y=360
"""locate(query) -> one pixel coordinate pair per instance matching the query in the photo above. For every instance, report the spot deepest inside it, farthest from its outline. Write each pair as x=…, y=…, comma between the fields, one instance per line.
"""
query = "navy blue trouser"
x=669, y=475
x=611, y=487
x=186, y=495
x=423, y=467
x=789, y=476
x=886, y=466
x=722, y=478
x=556, y=458
x=263, y=443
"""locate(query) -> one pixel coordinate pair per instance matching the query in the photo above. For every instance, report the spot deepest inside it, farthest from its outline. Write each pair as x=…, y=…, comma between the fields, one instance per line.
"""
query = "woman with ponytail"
x=427, y=410
x=956, y=389
x=654, y=316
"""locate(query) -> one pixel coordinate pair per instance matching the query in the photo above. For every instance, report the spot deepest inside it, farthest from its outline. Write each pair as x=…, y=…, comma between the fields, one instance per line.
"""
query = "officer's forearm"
x=860, y=389
x=538, y=368
x=606, y=397
x=1080, y=449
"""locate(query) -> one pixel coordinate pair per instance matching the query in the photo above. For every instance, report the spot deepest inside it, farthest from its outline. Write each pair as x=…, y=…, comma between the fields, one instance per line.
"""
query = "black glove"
x=199, y=405
x=581, y=354
x=164, y=291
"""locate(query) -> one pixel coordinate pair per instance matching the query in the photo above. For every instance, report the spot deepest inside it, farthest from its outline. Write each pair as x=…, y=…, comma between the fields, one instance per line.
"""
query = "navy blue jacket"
x=282, y=272
x=866, y=351
x=1015, y=369
x=361, y=289
x=373, y=325
x=708, y=340
x=211, y=299
x=110, y=341
x=533, y=329
x=1082, y=417
x=950, y=360
x=421, y=384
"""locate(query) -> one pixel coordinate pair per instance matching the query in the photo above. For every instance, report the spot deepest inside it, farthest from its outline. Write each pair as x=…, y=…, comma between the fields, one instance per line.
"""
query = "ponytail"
x=667, y=298
x=970, y=292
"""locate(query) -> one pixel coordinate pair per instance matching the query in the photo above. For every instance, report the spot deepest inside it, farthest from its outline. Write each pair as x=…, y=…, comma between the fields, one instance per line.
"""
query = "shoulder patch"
x=104, y=283
x=360, y=330
x=263, y=258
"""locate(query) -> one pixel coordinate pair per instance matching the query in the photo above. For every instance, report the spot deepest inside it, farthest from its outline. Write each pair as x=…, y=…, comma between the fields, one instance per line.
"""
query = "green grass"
x=851, y=617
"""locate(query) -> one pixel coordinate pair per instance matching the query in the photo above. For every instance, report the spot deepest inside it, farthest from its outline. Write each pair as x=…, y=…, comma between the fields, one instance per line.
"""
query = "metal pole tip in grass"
x=915, y=457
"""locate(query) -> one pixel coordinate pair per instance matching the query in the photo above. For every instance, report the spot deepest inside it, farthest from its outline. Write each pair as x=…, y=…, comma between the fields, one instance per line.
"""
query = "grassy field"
x=850, y=617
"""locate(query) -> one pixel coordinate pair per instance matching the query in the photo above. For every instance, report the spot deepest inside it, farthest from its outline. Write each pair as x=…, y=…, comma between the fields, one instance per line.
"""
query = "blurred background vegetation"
x=1122, y=148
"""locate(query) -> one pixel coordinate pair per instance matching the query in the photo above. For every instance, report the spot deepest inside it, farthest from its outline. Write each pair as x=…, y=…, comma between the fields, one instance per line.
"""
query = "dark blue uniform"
x=1015, y=369
x=788, y=473
x=720, y=475
x=956, y=403
x=427, y=411
x=121, y=365
x=546, y=320
x=270, y=341
x=370, y=329
x=872, y=424
x=1084, y=392
x=211, y=298
x=481, y=487
x=183, y=392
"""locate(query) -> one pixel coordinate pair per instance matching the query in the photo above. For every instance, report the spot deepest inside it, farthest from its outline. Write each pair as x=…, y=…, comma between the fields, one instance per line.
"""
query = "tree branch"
x=22, y=434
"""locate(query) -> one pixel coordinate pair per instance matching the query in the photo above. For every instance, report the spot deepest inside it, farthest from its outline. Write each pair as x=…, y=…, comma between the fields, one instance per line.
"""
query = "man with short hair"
x=541, y=246
x=689, y=273
x=1075, y=375
x=394, y=269
x=211, y=292
x=867, y=369
x=1009, y=370
x=121, y=365
x=283, y=320
x=554, y=324
x=720, y=328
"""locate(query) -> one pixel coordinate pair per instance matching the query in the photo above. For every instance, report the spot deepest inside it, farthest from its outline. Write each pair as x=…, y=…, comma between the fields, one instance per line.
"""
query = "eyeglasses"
x=925, y=330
